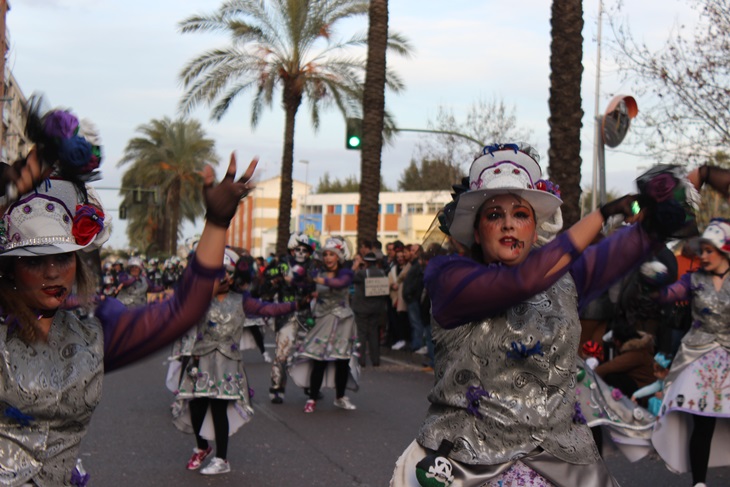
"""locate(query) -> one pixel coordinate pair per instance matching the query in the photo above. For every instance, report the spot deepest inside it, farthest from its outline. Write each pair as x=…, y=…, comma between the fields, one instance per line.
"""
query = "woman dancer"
x=693, y=430
x=506, y=333
x=134, y=284
x=52, y=362
x=332, y=341
x=212, y=377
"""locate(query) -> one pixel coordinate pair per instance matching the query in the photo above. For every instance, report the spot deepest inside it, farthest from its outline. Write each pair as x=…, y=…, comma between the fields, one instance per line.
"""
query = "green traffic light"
x=354, y=142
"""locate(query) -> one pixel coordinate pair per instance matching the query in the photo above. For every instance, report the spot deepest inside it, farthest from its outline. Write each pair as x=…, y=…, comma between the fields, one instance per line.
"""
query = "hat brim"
x=462, y=229
x=36, y=250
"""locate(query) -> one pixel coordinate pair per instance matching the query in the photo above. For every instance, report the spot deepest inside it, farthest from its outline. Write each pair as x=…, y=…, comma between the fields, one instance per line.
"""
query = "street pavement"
x=132, y=441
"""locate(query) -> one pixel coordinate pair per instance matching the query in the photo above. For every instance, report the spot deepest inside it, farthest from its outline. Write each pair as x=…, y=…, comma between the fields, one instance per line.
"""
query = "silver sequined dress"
x=52, y=387
x=699, y=378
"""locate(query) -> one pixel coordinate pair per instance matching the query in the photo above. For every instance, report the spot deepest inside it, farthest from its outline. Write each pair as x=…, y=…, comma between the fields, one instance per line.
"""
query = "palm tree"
x=166, y=161
x=284, y=44
x=566, y=71
x=373, y=114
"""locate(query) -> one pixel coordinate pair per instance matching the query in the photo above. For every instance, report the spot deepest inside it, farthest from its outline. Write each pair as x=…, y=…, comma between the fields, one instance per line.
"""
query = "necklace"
x=721, y=274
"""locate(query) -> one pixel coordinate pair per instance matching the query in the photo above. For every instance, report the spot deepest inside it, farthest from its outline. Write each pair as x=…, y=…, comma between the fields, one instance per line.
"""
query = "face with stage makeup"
x=505, y=229
x=44, y=282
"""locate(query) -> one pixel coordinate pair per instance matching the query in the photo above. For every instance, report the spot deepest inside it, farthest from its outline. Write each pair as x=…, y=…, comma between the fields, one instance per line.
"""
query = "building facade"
x=405, y=215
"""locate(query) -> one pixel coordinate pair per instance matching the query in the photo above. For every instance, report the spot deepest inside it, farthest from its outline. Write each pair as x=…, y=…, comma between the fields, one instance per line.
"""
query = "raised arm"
x=130, y=335
x=463, y=290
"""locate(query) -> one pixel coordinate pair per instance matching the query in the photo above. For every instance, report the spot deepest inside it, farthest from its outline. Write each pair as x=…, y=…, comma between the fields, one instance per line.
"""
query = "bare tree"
x=684, y=85
x=489, y=120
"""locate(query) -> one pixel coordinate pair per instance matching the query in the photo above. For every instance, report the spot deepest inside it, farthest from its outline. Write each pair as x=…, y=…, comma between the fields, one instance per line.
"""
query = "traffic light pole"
x=443, y=132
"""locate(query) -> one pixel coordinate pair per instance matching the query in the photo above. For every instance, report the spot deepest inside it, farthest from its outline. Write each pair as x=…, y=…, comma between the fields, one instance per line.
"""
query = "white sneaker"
x=216, y=466
x=422, y=351
x=398, y=345
x=344, y=403
x=700, y=484
x=267, y=357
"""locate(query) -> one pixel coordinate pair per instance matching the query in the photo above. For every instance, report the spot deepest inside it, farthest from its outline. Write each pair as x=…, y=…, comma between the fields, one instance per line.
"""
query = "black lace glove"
x=21, y=177
x=717, y=177
x=621, y=206
x=221, y=200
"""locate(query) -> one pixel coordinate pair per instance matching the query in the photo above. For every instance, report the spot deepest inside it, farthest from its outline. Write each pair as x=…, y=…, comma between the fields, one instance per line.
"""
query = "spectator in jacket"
x=369, y=310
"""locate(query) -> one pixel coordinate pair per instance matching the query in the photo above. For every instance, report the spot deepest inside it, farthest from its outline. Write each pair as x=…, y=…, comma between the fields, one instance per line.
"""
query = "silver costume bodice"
x=505, y=386
x=135, y=294
x=221, y=328
x=331, y=300
x=48, y=392
x=710, y=312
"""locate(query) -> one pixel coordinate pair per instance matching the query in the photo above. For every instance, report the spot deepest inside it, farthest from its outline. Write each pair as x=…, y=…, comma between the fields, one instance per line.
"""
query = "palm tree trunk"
x=566, y=71
x=292, y=99
x=372, y=125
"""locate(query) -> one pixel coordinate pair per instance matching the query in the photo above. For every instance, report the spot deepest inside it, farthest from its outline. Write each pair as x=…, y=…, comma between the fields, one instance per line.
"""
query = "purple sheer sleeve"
x=603, y=264
x=342, y=279
x=679, y=291
x=256, y=307
x=126, y=280
x=463, y=290
x=132, y=334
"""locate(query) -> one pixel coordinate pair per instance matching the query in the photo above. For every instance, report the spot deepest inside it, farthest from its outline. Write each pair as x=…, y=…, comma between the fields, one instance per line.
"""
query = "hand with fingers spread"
x=221, y=200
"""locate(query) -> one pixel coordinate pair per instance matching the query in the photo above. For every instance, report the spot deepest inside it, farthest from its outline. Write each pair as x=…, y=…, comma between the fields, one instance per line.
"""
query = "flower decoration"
x=18, y=416
x=578, y=417
x=661, y=187
x=60, y=124
x=616, y=394
x=473, y=395
x=548, y=186
x=87, y=224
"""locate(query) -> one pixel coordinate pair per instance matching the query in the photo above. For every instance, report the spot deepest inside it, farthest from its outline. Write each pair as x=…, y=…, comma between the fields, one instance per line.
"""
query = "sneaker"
x=267, y=357
x=422, y=351
x=309, y=406
x=216, y=466
x=198, y=456
x=276, y=398
x=344, y=403
x=398, y=345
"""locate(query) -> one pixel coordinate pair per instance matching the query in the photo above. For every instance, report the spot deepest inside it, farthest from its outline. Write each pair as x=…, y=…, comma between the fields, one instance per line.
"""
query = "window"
x=434, y=208
x=338, y=210
x=350, y=209
x=390, y=209
x=415, y=208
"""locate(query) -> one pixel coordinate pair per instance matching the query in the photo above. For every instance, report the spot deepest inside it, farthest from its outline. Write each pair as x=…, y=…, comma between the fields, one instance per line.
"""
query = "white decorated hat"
x=717, y=234
x=338, y=246
x=55, y=218
x=503, y=169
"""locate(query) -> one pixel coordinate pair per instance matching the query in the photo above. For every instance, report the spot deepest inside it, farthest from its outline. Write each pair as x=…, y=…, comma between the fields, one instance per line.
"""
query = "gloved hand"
x=221, y=200
x=621, y=206
x=717, y=177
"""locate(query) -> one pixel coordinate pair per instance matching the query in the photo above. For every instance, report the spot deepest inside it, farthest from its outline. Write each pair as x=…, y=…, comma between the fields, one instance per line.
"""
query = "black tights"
x=699, y=446
x=342, y=370
x=218, y=408
x=258, y=337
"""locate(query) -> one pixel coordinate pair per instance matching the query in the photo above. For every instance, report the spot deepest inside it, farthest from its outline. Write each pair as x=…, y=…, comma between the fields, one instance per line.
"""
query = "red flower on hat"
x=88, y=222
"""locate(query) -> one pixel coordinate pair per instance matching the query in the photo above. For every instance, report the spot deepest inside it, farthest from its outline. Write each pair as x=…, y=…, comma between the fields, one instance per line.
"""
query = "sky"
x=117, y=63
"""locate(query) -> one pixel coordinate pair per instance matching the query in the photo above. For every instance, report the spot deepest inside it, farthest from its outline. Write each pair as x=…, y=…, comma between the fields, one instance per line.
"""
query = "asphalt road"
x=132, y=441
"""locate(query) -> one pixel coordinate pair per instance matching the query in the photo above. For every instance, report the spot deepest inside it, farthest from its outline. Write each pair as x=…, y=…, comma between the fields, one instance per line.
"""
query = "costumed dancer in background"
x=291, y=281
x=52, y=362
x=331, y=344
x=245, y=280
x=134, y=284
x=506, y=331
x=212, y=395
x=693, y=429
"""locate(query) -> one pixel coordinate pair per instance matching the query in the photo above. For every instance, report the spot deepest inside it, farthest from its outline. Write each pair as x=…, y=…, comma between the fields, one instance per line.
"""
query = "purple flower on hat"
x=61, y=124
x=661, y=187
x=548, y=186
x=75, y=152
x=578, y=417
